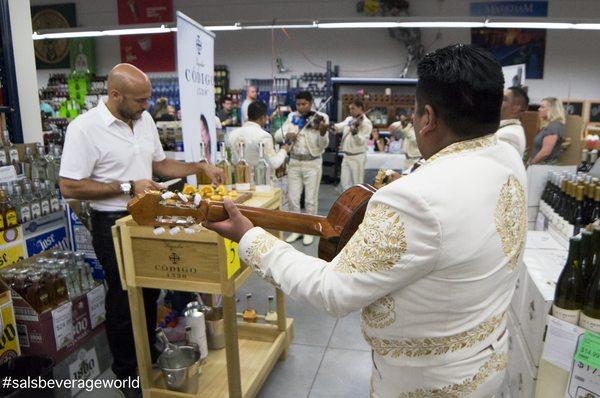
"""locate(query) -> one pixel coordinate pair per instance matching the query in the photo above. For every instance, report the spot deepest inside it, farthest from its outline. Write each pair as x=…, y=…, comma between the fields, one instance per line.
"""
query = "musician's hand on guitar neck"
x=235, y=227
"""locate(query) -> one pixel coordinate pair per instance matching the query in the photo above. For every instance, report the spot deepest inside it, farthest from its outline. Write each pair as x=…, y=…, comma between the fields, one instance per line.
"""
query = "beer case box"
x=60, y=331
x=9, y=343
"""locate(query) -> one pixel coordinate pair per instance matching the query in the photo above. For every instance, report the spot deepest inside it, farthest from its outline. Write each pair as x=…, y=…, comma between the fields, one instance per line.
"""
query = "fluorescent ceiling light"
x=529, y=25
x=135, y=31
x=297, y=26
x=587, y=26
x=441, y=24
x=67, y=35
x=223, y=27
x=359, y=25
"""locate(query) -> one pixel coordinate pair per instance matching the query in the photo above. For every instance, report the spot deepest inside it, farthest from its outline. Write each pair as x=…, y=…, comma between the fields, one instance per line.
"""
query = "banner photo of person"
x=195, y=69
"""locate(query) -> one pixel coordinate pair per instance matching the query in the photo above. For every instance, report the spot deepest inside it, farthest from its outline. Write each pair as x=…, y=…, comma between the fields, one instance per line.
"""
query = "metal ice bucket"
x=177, y=366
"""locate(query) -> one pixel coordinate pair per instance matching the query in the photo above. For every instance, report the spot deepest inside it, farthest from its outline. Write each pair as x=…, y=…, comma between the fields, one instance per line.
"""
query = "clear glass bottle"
x=22, y=206
x=3, y=154
x=242, y=170
x=38, y=168
x=224, y=165
x=271, y=315
x=51, y=170
x=27, y=163
x=262, y=173
x=249, y=314
x=41, y=195
x=54, y=201
x=36, y=209
x=87, y=271
x=11, y=151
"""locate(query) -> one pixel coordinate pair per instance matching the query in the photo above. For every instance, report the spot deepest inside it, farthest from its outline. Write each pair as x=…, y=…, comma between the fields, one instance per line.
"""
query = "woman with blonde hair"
x=547, y=142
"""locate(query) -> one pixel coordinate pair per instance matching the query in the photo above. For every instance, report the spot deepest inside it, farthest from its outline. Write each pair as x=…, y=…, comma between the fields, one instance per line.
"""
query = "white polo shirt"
x=105, y=149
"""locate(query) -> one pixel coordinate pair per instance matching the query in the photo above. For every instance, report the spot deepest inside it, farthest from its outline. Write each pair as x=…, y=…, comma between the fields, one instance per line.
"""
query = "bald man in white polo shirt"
x=110, y=154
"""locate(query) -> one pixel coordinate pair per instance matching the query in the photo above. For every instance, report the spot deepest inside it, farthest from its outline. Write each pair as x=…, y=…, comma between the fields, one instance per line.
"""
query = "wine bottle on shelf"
x=587, y=257
x=590, y=312
x=577, y=219
x=242, y=170
x=593, y=158
x=249, y=314
x=224, y=165
x=596, y=205
x=568, y=297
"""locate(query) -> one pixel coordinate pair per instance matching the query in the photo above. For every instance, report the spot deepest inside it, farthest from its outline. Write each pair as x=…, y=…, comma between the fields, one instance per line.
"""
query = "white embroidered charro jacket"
x=309, y=141
x=354, y=144
x=512, y=132
x=432, y=266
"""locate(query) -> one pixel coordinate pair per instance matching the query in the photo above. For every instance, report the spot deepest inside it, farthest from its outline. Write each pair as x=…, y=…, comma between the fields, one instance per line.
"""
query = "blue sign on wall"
x=510, y=9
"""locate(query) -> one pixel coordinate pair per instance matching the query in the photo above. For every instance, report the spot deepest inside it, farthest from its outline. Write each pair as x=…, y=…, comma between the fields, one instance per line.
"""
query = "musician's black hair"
x=256, y=110
x=226, y=98
x=520, y=95
x=358, y=103
x=464, y=85
x=305, y=95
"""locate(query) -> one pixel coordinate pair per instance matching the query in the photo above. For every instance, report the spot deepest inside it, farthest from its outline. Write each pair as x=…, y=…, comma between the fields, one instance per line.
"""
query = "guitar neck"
x=279, y=220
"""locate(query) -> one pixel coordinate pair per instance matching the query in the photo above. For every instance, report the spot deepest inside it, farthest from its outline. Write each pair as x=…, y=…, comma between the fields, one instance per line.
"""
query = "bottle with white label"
x=54, y=201
x=41, y=195
x=11, y=150
x=23, y=208
x=568, y=297
x=36, y=208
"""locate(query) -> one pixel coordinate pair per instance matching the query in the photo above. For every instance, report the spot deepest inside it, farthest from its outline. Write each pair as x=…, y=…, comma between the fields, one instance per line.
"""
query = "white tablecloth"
x=378, y=160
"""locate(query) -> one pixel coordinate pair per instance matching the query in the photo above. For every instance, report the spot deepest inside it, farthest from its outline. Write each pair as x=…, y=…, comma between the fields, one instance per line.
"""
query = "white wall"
x=570, y=64
x=20, y=26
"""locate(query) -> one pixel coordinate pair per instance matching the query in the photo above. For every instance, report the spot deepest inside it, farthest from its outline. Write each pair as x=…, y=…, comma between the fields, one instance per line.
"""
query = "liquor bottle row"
x=577, y=295
x=571, y=201
x=23, y=201
x=51, y=281
x=249, y=314
x=588, y=159
x=242, y=175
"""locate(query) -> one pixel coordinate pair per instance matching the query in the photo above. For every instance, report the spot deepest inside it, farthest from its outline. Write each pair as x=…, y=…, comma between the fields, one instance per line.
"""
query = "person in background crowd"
x=251, y=95
x=356, y=130
x=307, y=144
x=409, y=141
x=171, y=112
x=546, y=145
x=278, y=117
x=376, y=141
x=225, y=115
x=514, y=103
x=159, y=111
x=252, y=133
x=110, y=155
x=434, y=263
x=395, y=143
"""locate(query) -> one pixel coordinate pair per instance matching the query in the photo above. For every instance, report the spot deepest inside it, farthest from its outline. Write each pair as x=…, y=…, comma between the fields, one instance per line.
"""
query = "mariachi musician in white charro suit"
x=434, y=263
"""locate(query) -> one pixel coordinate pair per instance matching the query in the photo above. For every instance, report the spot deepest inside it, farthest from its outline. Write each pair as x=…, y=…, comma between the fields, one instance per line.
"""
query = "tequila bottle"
x=36, y=209
x=271, y=315
x=224, y=164
x=11, y=151
x=39, y=165
x=249, y=314
x=41, y=195
x=242, y=170
x=262, y=171
x=23, y=208
x=54, y=201
x=28, y=162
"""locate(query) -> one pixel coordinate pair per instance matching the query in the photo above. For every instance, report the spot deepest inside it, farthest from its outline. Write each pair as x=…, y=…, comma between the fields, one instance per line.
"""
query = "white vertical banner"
x=195, y=68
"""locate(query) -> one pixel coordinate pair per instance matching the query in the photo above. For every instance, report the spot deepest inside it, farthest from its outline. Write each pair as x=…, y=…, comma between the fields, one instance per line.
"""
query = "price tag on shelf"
x=588, y=350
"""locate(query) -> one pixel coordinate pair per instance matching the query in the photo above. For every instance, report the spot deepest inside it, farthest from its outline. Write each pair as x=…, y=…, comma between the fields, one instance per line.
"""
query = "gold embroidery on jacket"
x=467, y=145
x=378, y=244
x=259, y=246
x=510, y=218
x=496, y=363
x=380, y=314
x=431, y=346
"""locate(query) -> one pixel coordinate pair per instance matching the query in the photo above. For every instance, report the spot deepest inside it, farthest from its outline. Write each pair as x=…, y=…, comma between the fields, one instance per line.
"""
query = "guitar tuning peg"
x=174, y=231
x=189, y=230
x=197, y=199
x=183, y=198
x=158, y=231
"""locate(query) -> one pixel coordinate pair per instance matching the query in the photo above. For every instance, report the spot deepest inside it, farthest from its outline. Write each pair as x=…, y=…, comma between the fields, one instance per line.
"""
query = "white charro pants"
x=480, y=376
x=353, y=170
x=304, y=174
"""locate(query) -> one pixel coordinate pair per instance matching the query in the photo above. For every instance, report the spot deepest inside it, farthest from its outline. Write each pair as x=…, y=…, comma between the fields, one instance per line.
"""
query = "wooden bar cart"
x=201, y=262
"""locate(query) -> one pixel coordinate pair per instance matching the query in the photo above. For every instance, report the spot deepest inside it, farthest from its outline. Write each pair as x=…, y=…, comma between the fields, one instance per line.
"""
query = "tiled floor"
x=328, y=357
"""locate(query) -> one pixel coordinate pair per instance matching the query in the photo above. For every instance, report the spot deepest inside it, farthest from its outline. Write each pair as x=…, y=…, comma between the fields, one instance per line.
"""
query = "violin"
x=356, y=124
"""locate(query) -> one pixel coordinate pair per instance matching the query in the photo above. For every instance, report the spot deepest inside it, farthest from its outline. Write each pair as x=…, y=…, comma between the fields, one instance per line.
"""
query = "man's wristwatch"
x=128, y=188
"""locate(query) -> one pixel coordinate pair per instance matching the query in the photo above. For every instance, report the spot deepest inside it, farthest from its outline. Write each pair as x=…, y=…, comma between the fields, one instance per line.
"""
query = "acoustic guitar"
x=155, y=209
